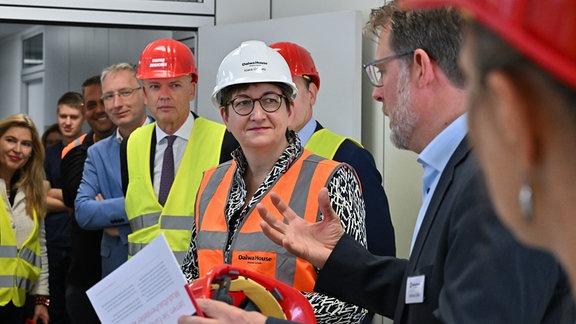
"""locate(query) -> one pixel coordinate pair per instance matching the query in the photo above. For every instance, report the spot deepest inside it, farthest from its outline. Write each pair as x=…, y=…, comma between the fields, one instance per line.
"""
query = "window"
x=33, y=51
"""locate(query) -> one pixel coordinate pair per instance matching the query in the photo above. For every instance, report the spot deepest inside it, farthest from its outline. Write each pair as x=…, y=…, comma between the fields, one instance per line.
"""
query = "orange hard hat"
x=166, y=58
x=253, y=291
x=299, y=60
x=543, y=30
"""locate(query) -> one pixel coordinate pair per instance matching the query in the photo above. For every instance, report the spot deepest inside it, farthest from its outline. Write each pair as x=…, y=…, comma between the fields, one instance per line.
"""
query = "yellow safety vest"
x=325, y=143
x=19, y=268
x=146, y=216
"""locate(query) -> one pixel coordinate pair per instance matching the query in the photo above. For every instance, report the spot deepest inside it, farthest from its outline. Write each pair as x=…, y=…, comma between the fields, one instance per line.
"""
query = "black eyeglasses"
x=373, y=72
x=122, y=93
x=244, y=105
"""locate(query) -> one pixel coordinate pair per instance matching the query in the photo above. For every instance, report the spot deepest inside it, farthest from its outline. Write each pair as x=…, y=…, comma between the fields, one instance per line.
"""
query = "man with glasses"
x=464, y=266
x=165, y=160
x=85, y=261
x=99, y=204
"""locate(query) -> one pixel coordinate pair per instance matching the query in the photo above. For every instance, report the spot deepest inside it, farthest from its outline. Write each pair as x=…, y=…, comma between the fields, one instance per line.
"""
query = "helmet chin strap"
x=263, y=299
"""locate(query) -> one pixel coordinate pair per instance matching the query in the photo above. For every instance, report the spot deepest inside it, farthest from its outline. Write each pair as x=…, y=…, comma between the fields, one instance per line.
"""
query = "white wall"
x=337, y=112
x=10, y=76
x=72, y=54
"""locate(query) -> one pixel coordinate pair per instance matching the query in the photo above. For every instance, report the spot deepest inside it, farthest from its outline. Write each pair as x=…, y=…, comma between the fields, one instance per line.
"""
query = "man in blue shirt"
x=100, y=200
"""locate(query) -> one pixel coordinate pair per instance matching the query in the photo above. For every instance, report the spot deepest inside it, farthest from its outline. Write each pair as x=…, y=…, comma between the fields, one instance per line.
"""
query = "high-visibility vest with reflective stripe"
x=146, y=216
x=73, y=144
x=326, y=143
x=19, y=269
x=299, y=186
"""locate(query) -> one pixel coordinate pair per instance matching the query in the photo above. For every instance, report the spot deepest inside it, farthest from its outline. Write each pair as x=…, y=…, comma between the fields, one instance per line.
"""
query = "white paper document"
x=148, y=288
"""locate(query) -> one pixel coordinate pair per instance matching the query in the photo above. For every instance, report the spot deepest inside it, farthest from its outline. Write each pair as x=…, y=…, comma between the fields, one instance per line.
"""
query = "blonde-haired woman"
x=23, y=257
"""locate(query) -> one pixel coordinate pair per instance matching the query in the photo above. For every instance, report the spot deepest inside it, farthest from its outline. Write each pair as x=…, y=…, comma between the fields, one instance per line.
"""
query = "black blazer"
x=475, y=271
x=379, y=228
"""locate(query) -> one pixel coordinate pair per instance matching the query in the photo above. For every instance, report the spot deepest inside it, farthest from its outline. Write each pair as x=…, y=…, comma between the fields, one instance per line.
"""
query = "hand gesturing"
x=310, y=241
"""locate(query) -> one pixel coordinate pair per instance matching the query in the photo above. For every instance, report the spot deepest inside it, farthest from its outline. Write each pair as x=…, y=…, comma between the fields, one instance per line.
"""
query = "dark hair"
x=493, y=53
x=229, y=91
x=93, y=80
x=437, y=31
x=52, y=129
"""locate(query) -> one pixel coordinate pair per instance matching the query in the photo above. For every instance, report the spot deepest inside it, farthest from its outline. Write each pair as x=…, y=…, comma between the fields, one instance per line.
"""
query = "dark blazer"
x=85, y=261
x=379, y=229
x=229, y=144
x=475, y=271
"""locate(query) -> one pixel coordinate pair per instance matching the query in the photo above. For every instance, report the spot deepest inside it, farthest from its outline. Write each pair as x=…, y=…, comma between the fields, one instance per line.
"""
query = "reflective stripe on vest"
x=167, y=222
x=250, y=247
x=19, y=270
x=8, y=251
x=73, y=144
x=326, y=143
x=146, y=216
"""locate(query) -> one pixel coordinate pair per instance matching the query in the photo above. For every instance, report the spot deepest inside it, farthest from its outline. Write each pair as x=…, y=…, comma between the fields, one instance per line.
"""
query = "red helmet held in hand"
x=253, y=291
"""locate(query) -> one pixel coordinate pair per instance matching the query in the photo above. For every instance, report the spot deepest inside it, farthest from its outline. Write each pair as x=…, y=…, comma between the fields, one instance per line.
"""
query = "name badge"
x=415, y=290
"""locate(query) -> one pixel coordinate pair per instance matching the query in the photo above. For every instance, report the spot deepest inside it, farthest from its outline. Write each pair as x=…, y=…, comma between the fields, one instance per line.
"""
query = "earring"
x=526, y=201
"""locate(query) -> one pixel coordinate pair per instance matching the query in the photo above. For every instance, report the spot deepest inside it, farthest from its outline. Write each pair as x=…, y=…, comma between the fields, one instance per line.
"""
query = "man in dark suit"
x=465, y=266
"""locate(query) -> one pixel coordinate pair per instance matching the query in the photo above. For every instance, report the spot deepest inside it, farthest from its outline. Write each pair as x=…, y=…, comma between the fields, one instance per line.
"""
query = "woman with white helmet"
x=255, y=94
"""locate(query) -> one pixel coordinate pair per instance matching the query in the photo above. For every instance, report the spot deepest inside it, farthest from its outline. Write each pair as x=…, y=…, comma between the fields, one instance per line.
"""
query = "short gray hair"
x=115, y=68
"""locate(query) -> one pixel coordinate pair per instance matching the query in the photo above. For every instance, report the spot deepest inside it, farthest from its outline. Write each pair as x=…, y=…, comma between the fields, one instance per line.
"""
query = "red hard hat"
x=253, y=291
x=543, y=30
x=299, y=60
x=166, y=58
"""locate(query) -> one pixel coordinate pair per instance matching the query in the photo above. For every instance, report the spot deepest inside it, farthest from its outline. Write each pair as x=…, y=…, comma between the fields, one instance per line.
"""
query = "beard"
x=403, y=120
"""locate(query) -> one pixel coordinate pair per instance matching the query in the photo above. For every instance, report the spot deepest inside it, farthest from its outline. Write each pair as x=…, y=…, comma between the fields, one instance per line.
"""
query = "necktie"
x=167, y=176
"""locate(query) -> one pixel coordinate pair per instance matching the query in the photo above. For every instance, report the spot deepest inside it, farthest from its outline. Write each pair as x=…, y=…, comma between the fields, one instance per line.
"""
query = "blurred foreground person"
x=520, y=60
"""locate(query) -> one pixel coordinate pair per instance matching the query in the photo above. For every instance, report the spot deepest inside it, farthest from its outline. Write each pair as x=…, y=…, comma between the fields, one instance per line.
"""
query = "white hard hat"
x=252, y=62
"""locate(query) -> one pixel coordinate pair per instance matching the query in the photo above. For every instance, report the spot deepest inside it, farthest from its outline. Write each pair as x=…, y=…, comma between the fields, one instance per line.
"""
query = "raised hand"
x=310, y=241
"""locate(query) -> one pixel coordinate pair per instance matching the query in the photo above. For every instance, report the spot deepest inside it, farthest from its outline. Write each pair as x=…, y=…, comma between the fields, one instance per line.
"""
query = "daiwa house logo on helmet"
x=253, y=66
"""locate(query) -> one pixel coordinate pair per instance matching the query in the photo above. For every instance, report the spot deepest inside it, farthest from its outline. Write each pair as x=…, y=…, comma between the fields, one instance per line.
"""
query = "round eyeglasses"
x=373, y=72
x=244, y=105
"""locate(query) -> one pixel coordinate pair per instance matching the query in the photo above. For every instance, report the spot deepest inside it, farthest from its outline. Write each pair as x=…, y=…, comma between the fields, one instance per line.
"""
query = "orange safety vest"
x=299, y=186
